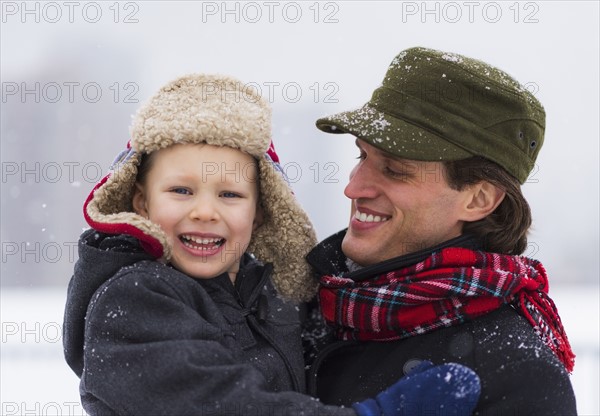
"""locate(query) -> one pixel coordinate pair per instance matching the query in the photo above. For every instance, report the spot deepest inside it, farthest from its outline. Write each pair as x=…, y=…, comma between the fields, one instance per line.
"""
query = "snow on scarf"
x=450, y=287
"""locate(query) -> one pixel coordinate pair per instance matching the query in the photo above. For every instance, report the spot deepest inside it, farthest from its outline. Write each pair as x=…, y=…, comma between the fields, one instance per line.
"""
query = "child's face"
x=205, y=199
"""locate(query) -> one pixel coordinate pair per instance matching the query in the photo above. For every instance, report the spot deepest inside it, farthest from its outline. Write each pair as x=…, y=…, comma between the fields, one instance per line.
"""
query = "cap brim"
x=392, y=135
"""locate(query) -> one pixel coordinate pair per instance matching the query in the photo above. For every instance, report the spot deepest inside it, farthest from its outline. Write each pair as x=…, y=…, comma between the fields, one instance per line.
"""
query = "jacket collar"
x=249, y=282
x=327, y=257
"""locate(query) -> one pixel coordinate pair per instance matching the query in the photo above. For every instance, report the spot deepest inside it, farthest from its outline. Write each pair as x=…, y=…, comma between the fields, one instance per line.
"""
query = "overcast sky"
x=74, y=72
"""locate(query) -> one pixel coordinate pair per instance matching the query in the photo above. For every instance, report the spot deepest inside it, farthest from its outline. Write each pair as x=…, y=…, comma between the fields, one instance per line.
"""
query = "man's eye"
x=362, y=156
x=181, y=191
x=395, y=174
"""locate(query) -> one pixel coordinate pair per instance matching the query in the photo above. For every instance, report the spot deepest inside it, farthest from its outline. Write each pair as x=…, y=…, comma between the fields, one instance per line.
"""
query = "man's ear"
x=259, y=217
x=139, y=201
x=482, y=199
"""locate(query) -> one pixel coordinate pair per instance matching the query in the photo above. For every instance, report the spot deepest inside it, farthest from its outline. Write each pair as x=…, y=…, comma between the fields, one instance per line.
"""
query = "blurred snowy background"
x=72, y=74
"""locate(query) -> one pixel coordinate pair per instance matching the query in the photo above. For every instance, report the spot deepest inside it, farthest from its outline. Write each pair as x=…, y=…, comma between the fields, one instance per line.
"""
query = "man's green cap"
x=439, y=106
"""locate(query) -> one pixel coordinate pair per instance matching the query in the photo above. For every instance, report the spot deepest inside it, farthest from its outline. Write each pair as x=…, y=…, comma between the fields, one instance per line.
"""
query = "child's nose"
x=204, y=210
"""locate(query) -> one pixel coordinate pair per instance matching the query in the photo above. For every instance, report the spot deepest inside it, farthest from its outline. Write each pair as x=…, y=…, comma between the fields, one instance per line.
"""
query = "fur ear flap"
x=152, y=238
x=285, y=237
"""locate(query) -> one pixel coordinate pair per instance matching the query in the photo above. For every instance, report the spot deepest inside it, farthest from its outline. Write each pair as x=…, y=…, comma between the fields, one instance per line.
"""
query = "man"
x=429, y=267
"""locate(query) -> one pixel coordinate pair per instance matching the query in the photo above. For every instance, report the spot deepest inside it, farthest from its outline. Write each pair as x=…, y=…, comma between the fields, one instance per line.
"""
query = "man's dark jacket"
x=520, y=375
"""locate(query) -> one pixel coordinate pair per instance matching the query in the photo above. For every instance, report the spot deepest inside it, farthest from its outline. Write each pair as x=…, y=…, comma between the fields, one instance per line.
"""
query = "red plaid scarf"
x=450, y=287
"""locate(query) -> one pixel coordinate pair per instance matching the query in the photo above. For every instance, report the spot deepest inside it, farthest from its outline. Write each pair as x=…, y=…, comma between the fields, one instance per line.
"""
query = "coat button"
x=410, y=365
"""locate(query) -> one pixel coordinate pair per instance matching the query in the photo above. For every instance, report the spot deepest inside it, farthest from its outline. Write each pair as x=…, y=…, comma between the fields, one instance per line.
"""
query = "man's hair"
x=505, y=229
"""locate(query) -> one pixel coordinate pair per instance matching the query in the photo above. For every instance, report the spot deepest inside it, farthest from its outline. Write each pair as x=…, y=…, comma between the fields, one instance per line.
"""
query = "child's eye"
x=181, y=191
x=228, y=194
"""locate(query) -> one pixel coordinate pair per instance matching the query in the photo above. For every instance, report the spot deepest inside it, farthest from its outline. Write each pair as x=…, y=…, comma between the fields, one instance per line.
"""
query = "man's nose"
x=363, y=182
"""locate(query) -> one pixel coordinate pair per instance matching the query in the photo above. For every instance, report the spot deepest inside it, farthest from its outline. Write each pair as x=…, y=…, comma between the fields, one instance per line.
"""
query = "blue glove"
x=449, y=389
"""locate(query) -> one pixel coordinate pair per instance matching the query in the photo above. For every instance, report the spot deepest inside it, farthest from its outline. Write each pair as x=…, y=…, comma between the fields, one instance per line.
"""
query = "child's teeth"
x=202, y=240
x=198, y=243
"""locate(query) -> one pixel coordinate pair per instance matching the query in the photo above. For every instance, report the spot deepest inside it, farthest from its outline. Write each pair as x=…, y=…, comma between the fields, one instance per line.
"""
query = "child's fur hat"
x=220, y=111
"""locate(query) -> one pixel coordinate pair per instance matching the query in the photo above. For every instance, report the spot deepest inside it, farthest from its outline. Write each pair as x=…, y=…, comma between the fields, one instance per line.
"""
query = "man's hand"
x=448, y=389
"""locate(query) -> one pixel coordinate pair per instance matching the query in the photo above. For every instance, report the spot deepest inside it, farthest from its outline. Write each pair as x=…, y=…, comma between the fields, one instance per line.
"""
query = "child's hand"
x=449, y=389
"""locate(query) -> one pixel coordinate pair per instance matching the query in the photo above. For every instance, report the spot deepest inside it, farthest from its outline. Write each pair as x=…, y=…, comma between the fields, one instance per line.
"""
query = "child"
x=182, y=300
